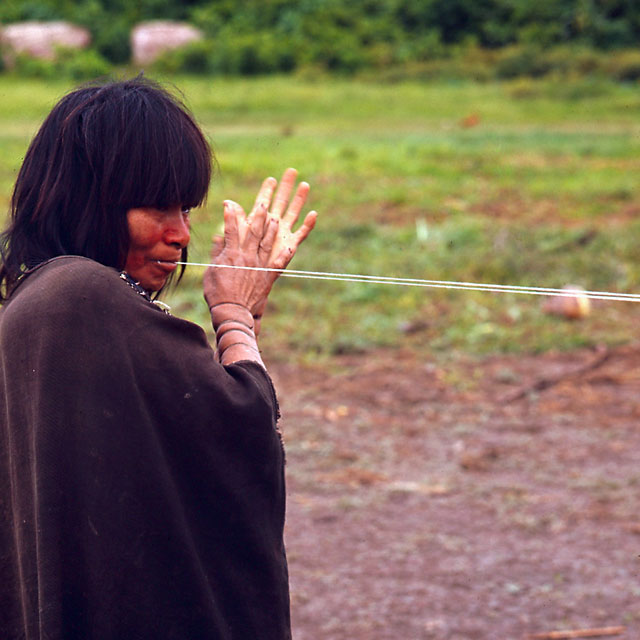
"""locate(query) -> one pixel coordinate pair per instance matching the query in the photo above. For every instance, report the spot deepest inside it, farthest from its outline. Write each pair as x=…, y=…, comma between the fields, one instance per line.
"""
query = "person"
x=141, y=473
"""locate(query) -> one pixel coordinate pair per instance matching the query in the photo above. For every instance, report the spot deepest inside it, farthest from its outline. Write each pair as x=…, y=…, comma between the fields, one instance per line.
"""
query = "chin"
x=152, y=286
x=153, y=282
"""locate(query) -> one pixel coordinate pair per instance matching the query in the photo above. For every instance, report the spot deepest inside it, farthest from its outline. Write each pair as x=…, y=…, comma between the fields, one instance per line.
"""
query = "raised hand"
x=265, y=238
x=246, y=243
x=287, y=210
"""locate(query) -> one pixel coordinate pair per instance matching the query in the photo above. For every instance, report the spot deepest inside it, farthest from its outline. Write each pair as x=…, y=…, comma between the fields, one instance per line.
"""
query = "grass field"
x=527, y=183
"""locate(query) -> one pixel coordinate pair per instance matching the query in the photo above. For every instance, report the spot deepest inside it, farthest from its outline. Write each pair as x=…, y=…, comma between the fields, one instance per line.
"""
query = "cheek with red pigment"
x=145, y=237
x=140, y=248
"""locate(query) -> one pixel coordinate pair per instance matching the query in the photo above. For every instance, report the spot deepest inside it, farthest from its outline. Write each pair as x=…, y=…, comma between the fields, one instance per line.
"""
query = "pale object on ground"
x=151, y=39
x=573, y=307
x=41, y=39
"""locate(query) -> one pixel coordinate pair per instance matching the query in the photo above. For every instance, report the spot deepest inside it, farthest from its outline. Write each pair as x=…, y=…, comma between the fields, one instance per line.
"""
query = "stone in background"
x=150, y=39
x=41, y=39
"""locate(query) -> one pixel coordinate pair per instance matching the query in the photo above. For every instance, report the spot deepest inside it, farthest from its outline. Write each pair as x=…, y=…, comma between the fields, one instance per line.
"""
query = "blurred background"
x=461, y=464
x=491, y=141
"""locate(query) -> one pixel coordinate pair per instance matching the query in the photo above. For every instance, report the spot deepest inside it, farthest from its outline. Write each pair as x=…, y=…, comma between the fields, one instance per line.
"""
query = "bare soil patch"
x=424, y=503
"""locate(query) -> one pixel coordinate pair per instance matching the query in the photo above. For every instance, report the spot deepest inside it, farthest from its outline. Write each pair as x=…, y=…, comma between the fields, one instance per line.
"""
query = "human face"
x=156, y=240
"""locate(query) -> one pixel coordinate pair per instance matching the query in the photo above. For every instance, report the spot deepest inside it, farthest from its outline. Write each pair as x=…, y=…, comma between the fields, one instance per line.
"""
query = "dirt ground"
x=493, y=499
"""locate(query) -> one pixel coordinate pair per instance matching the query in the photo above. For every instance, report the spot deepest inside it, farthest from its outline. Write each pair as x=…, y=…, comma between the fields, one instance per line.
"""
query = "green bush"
x=81, y=64
x=30, y=67
x=248, y=54
x=586, y=61
x=425, y=46
x=479, y=39
x=515, y=62
x=332, y=48
x=624, y=66
x=252, y=54
x=28, y=10
x=347, y=35
x=112, y=40
x=69, y=63
x=195, y=58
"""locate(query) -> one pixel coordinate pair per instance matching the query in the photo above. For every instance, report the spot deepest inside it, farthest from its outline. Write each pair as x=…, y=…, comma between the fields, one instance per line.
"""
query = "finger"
x=256, y=229
x=264, y=195
x=243, y=223
x=243, y=228
x=283, y=258
x=231, y=218
x=216, y=247
x=289, y=250
x=305, y=228
x=267, y=242
x=281, y=199
x=297, y=203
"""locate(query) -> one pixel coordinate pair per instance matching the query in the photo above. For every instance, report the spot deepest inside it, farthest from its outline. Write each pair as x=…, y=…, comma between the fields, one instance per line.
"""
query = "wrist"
x=236, y=344
x=231, y=312
x=236, y=337
x=235, y=333
x=238, y=351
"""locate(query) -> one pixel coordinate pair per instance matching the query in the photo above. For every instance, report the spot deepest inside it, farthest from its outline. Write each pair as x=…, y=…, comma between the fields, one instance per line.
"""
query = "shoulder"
x=73, y=287
x=68, y=275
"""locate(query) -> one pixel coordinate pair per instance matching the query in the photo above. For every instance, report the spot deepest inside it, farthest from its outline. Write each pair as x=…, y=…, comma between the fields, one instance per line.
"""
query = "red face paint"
x=156, y=240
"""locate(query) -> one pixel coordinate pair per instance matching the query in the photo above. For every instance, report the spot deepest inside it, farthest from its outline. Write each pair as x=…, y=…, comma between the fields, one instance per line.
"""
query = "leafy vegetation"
x=513, y=183
x=68, y=63
x=267, y=36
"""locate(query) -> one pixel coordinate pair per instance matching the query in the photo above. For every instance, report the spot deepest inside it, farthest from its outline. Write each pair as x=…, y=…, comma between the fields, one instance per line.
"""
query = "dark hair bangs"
x=165, y=159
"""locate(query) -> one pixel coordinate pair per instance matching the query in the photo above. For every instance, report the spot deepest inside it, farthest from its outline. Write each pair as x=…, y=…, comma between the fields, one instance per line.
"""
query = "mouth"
x=167, y=265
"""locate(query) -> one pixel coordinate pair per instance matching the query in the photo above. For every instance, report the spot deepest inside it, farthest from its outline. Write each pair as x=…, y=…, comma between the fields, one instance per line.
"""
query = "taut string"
x=436, y=284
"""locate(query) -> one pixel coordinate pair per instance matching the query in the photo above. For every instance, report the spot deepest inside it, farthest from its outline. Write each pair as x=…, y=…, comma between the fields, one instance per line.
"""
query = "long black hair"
x=104, y=149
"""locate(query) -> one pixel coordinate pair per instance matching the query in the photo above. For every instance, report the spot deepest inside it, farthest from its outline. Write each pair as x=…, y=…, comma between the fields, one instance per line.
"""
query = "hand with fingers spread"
x=264, y=239
x=286, y=210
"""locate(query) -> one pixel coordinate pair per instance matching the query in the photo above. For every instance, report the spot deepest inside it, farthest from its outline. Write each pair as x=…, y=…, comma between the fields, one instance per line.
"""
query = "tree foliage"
x=254, y=36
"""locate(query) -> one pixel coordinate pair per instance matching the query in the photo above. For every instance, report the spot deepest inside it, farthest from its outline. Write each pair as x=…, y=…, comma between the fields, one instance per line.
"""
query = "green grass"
x=541, y=192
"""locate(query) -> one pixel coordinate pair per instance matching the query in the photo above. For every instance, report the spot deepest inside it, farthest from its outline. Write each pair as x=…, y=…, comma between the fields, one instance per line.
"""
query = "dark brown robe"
x=141, y=482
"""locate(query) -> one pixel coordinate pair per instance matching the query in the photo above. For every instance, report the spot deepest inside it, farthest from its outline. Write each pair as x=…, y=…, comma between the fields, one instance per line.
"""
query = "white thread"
x=436, y=284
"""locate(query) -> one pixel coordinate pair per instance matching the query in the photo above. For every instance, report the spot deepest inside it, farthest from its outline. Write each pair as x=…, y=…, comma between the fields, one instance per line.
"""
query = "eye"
x=185, y=211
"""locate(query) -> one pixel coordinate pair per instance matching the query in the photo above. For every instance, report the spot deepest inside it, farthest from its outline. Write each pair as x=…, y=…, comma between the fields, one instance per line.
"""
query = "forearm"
x=235, y=333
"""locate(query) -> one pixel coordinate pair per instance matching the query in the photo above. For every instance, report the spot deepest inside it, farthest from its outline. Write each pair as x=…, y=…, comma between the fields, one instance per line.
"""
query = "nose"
x=177, y=231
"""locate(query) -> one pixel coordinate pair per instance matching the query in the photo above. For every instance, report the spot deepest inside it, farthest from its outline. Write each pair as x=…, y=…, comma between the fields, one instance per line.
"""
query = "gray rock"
x=41, y=39
x=151, y=39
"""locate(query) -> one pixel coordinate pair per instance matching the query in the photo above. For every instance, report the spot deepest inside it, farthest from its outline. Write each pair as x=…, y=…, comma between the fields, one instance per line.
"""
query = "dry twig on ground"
x=578, y=633
x=602, y=355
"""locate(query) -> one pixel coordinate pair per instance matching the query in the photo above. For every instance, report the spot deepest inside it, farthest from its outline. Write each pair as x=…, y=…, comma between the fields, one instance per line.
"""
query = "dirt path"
x=425, y=505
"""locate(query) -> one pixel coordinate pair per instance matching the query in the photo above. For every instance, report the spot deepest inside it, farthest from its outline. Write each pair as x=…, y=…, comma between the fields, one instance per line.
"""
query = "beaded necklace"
x=138, y=288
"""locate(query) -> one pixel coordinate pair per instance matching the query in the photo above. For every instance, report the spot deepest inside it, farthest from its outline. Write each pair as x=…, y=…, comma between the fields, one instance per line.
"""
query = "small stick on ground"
x=578, y=633
x=602, y=355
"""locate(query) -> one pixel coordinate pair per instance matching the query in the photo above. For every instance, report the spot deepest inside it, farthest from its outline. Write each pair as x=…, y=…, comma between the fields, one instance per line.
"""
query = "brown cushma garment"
x=141, y=482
